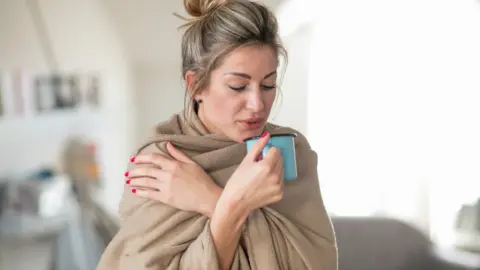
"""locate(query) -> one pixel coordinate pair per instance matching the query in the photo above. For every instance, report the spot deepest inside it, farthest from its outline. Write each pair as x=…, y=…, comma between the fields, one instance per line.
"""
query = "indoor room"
x=387, y=94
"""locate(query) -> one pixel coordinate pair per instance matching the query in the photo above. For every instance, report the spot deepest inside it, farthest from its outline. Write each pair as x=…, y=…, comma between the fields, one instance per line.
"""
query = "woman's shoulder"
x=170, y=126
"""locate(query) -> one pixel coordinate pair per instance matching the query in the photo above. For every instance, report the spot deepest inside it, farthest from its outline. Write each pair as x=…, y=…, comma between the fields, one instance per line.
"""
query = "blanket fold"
x=295, y=233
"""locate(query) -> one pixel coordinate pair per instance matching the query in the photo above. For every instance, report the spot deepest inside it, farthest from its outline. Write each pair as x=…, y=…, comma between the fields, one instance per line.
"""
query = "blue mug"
x=286, y=144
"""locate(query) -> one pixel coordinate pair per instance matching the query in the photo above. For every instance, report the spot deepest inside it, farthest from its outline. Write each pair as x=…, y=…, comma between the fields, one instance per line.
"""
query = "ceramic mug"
x=286, y=144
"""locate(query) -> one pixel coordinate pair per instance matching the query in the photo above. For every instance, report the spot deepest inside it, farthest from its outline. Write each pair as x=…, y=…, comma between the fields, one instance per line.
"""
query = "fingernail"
x=128, y=182
x=126, y=174
x=134, y=191
x=264, y=134
x=132, y=159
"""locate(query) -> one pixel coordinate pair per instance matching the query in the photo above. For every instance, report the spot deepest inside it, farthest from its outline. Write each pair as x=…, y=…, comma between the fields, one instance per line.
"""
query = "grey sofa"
x=386, y=244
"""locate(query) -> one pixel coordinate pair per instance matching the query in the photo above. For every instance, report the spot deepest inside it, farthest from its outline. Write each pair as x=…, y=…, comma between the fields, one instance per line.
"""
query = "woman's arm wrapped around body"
x=299, y=225
x=155, y=235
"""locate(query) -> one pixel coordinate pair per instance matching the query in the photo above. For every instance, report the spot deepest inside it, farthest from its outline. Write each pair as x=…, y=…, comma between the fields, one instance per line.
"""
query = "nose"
x=255, y=101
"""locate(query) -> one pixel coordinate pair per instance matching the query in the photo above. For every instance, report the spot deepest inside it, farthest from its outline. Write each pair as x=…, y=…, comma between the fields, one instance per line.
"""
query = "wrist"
x=207, y=208
x=228, y=217
x=234, y=210
x=226, y=226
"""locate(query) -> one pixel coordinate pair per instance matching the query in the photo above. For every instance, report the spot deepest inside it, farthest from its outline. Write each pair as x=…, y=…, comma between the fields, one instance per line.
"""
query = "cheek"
x=228, y=108
x=269, y=98
x=224, y=107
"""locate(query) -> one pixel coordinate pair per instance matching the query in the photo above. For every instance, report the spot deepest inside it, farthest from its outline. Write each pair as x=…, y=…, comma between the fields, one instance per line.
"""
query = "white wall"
x=160, y=94
x=83, y=39
x=396, y=94
x=291, y=105
x=19, y=44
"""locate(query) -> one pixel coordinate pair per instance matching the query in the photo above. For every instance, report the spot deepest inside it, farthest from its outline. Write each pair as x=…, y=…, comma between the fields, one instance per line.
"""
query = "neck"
x=209, y=127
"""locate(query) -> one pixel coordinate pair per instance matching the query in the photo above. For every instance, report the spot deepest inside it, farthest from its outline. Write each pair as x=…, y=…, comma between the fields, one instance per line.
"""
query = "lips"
x=253, y=123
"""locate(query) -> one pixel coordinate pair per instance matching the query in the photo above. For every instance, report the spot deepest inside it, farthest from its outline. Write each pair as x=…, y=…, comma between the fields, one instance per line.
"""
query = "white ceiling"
x=150, y=30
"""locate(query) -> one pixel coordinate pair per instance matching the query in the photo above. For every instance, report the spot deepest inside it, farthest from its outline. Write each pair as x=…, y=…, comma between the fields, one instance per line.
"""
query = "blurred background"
x=387, y=92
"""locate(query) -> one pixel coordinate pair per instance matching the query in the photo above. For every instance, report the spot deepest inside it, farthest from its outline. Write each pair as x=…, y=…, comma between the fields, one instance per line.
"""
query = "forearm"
x=226, y=227
x=207, y=208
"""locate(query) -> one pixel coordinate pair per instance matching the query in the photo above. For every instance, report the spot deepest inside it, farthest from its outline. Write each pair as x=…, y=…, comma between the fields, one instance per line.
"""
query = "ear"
x=190, y=79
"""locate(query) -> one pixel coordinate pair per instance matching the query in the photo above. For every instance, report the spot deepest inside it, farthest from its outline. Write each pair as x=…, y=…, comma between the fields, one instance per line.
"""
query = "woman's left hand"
x=178, y=182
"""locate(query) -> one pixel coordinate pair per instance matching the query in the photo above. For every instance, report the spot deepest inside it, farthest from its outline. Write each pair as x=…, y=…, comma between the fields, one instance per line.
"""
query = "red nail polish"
x=264, y=134
x=134, y=191
x=128, y=182
x=132, y=159
x=126, y=174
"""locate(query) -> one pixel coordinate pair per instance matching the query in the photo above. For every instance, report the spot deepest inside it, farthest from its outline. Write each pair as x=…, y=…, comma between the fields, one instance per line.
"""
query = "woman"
x=194, y=198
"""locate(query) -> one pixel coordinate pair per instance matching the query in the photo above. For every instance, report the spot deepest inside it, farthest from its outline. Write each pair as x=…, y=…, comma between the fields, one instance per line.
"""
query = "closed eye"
x=269, y=87
x=241, y=88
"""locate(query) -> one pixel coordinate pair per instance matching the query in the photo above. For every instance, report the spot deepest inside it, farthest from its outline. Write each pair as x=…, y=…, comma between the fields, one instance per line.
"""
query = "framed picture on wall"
x=7, y=95
x=72, y=86
x=65, y=91
x=1, y=99
x=93, y=91
x=44, y=95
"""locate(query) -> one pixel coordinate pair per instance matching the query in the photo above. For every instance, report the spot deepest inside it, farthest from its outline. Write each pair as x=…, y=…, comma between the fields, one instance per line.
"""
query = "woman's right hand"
x=256, y=183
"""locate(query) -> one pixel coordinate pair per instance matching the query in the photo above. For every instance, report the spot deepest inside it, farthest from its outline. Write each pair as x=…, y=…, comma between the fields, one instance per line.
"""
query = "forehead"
x=251, y=60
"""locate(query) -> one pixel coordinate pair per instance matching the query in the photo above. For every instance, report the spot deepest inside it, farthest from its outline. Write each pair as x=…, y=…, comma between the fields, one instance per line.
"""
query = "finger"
x=144, y=183
x=278, y=168
x=147, y=171
x=148, y=194
x=279, y=164
x=258, y=146
x=155, y=159
x=177, y=154
x=272, y=156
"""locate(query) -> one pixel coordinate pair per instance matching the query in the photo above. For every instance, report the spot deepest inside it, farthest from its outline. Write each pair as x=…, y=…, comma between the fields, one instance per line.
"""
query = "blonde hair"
x=218, y=27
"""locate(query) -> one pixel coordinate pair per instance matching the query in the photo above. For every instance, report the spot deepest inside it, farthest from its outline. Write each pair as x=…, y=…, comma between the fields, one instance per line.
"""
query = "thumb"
x=258, y=146
x=177, y=154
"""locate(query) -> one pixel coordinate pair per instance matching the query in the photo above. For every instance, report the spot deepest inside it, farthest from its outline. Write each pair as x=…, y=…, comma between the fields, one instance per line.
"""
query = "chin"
x=240, y=132
x=245, y=134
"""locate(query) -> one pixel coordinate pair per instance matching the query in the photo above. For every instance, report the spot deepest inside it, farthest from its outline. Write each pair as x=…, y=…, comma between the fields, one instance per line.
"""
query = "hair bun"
x=199, y=8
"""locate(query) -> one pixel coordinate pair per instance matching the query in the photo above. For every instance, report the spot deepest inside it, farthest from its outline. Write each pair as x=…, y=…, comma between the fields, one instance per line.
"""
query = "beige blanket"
x=295, y=233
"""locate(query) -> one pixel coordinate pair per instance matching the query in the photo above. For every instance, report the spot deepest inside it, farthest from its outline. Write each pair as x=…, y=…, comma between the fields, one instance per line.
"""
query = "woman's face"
x=241, y=93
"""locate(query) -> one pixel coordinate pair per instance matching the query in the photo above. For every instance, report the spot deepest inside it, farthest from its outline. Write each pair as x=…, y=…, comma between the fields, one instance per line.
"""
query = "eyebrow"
x=246, y=76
